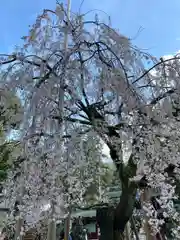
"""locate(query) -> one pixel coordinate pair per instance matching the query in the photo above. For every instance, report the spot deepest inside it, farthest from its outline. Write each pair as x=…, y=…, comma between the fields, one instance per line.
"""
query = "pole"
x=68, y=19
x=19, y=225
x=67, y=221
x=51, y=235
x=62, y=81
x=127, y=232
x=147, y=228
x=67, y=227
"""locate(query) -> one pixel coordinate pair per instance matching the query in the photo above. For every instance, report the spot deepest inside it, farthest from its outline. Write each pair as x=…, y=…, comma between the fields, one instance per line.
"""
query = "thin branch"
x=81, y=115
x=24, y=60
x=110, y=50
x=42, y=134
x=36, y=64
x=90, y=57
x=110, y=112
x=82, y=78
x=43, y=79
x=163, y=95
x=95, y=206
x=8, y=61
x=154, y=66
x=74, y=120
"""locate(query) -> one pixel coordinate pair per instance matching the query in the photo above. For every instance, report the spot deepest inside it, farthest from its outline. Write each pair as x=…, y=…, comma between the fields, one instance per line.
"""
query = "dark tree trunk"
x=124, y=209
x=112, y=222
x=112, y=226
x=105, y=217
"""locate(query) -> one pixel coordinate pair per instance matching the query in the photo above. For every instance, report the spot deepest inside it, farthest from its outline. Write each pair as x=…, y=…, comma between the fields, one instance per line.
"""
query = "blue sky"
x=160, y=20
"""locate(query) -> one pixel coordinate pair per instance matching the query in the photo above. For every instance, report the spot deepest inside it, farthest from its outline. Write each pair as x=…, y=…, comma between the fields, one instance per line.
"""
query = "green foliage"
x=10, y=119
x=10, y=111
x=6, y=151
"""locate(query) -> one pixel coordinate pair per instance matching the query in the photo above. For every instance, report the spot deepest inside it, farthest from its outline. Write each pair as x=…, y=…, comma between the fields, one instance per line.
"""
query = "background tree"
x=11, y=114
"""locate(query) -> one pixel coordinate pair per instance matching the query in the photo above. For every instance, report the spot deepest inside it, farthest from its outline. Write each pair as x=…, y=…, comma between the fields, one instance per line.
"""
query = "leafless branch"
x=153, y=67
x=74, y=120
x=82, y=78
x=163, y=95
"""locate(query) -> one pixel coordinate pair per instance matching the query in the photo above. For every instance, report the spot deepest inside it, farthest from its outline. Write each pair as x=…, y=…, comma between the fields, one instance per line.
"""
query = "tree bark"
x=125, y=207
x=105, y=218
x=124, y=210
x=112, y=222
x=119, y=236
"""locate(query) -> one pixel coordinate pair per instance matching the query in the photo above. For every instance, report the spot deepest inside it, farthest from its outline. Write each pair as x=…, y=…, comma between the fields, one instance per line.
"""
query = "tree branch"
x=95, y=206
x=163, y=95
x=154, y=66
x=82, y=78
x=74, y=120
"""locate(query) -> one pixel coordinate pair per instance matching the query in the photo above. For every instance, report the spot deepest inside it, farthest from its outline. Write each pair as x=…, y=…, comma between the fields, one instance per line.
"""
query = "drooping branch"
x=163, y=95
x=82, y=77
x=154, y=66
x=74, y=120
x=23, y=59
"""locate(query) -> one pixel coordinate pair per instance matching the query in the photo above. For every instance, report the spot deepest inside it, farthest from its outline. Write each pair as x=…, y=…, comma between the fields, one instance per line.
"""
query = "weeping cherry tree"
x=101, y=89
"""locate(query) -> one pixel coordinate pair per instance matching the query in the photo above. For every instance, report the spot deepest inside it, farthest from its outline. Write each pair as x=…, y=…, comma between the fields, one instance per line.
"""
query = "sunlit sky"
x=160, y=20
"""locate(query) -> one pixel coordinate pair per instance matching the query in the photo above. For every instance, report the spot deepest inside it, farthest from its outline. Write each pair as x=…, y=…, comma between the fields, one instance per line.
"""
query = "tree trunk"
x=112, y=222
x=105, y=218
x=118, y=236
x=124, y=209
